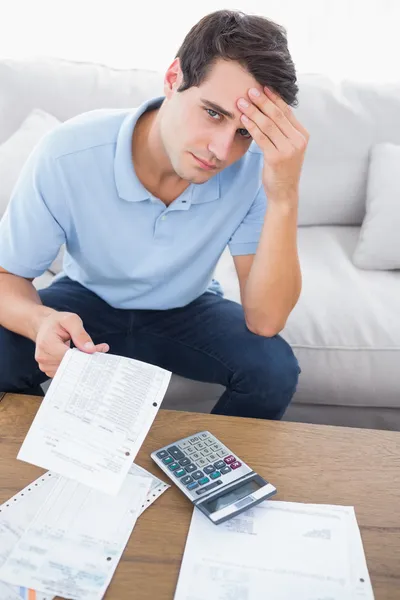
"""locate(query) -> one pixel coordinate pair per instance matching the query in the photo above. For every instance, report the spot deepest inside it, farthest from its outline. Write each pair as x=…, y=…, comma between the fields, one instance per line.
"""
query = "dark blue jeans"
x=206, y=340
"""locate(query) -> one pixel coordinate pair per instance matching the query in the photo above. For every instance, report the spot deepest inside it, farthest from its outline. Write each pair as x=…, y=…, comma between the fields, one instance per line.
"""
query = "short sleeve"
x=31, y=230
x=245, y=238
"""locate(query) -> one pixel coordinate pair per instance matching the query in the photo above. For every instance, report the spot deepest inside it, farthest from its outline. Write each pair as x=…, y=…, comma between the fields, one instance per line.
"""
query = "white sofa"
x=345, y=329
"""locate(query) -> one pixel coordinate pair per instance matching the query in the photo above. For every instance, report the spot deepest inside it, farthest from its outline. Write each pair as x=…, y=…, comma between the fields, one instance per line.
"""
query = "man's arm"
x=270, y=280
x=21, y=309
x=31, y=233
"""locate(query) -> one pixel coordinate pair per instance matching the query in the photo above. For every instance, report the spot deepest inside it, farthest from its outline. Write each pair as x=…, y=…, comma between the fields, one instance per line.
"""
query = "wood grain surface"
x=307, y=463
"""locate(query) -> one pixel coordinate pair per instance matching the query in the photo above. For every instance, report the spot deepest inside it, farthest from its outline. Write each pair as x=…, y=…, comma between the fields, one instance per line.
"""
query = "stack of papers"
x=65, y=533
x=63, y=537
x=277, y=550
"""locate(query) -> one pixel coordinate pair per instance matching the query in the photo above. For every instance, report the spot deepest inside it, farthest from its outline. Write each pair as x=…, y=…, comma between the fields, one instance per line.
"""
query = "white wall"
x=344, y=38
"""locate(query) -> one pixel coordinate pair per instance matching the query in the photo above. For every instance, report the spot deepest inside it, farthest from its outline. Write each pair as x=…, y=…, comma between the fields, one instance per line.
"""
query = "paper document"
x=75, y=541
x=17, y=513
x=15, y=516
x=94, y=418
x=279, y=550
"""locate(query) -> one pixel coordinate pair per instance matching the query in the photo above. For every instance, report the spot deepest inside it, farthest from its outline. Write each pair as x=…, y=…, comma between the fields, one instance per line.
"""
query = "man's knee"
x=272, y=366
x=19, y=370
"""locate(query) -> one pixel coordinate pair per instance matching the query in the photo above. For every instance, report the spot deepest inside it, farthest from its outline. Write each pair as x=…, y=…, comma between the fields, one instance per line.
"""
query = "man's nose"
x=221, y=145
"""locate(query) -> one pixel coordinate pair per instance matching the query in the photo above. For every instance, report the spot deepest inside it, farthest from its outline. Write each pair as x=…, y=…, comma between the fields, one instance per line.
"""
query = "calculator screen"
x=232, y=496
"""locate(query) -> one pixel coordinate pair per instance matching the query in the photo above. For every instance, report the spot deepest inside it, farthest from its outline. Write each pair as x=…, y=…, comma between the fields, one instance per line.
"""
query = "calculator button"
x=215, y=447
x=190, y=468
x=162, y=454
x=211, y=486
x=194, y=440
x=209, y=469
x=229, y=459
x=168, y=460
x=212, y=457
x=180, y=473
x=202, y=462
x=204, y=435
x=206, y=451
x=200, y=446
x=190, y=450
x=201, y=491
x=176, y=453
x=221, y=453
x=185, y=461
x=203, y=480
x=219, y=464
x=192, y=485
x=197, y=474
x=235, y=465
x=187, y=479
x=195, y=456
x=215, y=475
x=225, y=470
x=173, y=466
x=209, y=441
x=185, y=444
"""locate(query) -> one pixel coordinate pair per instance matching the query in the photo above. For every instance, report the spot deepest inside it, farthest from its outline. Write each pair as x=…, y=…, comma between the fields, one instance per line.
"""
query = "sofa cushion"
x=344, y=119
x=345, y=329
x=66, y=88
x=379, y=242
x=15, y=151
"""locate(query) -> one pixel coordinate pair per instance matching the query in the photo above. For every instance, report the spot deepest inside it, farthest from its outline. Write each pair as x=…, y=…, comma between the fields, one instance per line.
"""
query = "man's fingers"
x=48, y=354
x=73, y=325
x=50, y=370
x=102, y=348
x=54, y=340
x=50, y=363
x=287, y=111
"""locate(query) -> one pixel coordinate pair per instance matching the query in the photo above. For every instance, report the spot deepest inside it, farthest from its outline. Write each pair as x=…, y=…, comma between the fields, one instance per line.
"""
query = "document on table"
x=17, y=513
x=279, y=550
x=94, y=418
x=75, y=541
x=15, y=516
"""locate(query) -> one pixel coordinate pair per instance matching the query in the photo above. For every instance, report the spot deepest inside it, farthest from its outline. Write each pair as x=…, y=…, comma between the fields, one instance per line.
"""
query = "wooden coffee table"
x=307, y=463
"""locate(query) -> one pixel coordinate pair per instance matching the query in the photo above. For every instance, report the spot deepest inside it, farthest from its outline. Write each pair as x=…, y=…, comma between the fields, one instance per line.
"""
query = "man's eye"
x=244, y=133
x=213, y=113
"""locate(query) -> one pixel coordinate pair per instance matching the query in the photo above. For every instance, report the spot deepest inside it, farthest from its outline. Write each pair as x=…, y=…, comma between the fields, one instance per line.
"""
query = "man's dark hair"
x=257, y=43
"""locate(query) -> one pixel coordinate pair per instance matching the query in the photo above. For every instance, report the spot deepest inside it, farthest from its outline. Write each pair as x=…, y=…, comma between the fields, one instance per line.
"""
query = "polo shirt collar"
x=129, y=186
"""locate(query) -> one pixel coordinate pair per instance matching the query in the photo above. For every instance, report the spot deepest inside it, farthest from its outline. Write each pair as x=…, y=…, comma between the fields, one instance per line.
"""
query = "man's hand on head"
x=282, y=139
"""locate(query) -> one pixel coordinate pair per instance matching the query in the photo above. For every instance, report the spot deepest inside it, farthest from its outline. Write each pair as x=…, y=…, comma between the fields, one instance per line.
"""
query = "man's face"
x=194, y=127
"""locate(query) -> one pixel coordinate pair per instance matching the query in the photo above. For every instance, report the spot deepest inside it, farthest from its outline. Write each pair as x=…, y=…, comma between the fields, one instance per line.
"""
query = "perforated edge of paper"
x=24, y=493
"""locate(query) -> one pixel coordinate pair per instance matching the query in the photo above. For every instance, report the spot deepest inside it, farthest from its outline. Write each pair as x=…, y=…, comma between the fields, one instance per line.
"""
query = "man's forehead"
x=231, y=74
x=227, y=82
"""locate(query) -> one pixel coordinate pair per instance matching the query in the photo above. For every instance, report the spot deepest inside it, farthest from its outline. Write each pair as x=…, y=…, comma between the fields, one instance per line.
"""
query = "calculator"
x=217, y=481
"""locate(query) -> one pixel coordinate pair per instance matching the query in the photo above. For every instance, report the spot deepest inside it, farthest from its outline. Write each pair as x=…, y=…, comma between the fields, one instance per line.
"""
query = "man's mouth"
x=203, y=163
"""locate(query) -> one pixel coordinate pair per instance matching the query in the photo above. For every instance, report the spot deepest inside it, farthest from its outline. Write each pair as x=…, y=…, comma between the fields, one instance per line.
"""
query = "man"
x=146, y=200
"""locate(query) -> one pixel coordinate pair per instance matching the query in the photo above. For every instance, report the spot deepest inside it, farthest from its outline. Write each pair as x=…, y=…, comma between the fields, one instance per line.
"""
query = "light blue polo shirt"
x=79, y=188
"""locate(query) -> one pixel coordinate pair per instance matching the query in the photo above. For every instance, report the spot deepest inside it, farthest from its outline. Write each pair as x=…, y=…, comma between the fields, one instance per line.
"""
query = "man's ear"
x=173, y=78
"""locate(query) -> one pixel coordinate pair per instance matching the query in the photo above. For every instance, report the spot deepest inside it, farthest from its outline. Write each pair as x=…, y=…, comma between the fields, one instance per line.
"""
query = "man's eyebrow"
x=218, y=108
